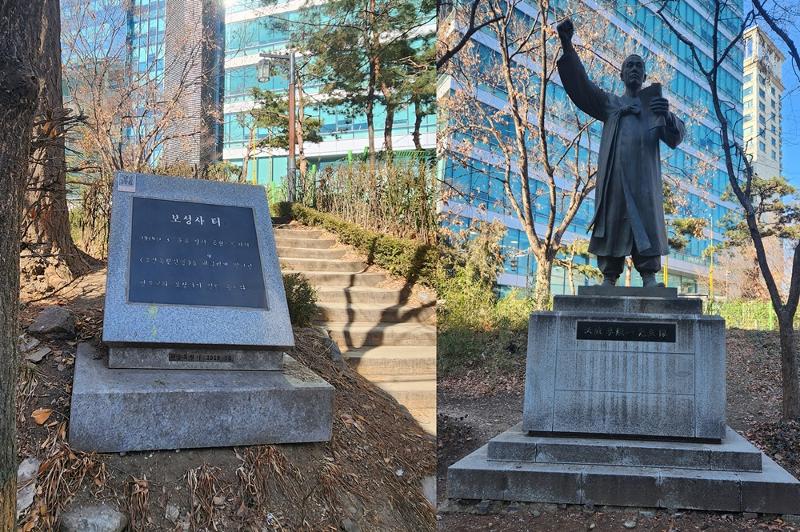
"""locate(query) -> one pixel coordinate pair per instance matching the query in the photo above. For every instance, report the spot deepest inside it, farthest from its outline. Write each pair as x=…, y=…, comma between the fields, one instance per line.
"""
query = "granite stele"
x=625, y=406
x=196, y=325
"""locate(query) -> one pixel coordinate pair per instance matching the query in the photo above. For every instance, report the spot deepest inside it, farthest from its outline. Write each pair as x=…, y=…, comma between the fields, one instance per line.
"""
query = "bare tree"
x=20, y=26
x=741, y=179
x=130, y=112
x=535, y=145
x=467, y=23
x=47, y=245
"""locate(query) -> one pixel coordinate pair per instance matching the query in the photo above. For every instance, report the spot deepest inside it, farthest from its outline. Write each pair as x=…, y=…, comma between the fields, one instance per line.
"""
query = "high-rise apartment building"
x=761, y=95
x=700, y=175
x=193, y=54
x=252, y=28
x=177, y=45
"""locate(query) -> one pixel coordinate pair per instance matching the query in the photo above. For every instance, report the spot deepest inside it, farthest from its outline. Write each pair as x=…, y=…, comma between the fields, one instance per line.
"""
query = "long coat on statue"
x=629, y=199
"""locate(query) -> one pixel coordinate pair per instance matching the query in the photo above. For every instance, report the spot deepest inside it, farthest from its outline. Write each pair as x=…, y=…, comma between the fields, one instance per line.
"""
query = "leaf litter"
x=266, y=487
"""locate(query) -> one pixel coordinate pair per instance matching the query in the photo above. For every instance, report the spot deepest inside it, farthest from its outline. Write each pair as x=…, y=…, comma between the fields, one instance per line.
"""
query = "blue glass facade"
x=247, y=33
x=693, y=162
x=146, y=22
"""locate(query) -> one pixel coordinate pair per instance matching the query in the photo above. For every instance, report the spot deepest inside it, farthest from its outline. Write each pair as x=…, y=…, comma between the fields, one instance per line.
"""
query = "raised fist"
x=566, y=30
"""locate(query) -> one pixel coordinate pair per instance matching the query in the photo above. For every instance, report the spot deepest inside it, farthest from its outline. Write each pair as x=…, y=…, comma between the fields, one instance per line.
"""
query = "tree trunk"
x=47, y=237
x=418, y=116
x=628, y=271
x=19, y=28
x=544, y=273
x=387, y=128
x=246, y=159
x=789, y=374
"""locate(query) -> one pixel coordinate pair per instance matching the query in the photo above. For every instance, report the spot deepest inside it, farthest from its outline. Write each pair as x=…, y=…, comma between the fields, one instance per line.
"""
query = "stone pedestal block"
x=115, y=410
x=732, y=476
x=626, y=366
x=193, y=357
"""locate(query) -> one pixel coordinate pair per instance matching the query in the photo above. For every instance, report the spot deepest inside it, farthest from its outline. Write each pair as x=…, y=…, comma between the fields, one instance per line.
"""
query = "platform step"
x=293, y=242
x=311, y=253
x=737, y=454
x=394, y=363
x=341, y=279
x=359, y=294
x=293, y=232
x=322, y=265
x=374, y=314
x=772, y=490
x=353, y=335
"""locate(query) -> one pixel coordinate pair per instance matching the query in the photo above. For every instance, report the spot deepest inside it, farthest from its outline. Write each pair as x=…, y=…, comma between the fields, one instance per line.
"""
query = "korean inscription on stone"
x=188, y=253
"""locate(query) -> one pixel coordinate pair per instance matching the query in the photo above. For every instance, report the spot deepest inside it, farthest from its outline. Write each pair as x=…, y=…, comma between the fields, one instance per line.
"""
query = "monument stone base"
x=120, y=410
x=193, y=357
x=732, y=476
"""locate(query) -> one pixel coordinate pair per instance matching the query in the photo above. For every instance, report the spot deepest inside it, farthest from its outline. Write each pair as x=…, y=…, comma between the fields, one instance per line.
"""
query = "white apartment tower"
x=761, y=91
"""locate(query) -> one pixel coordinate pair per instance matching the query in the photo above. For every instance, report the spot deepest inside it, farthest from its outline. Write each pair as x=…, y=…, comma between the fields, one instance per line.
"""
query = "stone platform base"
x=732, y=476
x=116, y=410
x=193, y=357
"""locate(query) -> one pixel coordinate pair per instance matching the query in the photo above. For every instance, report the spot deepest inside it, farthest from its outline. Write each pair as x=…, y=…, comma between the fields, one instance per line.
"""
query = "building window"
x=773, y=142
x=748, y=47
x=773, y=156
x=748, y=78
x=762, y=107
x=762, y=146
x=761, y=93
x=748, y=104
x=748, y=91
x=772, y=90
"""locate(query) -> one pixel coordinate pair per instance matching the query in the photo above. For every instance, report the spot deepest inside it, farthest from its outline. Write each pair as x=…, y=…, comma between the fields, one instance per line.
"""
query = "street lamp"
x=264, y=73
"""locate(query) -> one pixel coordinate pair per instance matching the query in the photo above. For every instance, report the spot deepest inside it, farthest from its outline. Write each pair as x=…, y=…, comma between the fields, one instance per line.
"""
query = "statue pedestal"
x=625, y=406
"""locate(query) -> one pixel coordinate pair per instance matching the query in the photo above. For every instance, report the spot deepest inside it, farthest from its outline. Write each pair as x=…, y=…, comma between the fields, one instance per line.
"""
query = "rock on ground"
x=26, y=484
x=93, y=518
x=55, y=320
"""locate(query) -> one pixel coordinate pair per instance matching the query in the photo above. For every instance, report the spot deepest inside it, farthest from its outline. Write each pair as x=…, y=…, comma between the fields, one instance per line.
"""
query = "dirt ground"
x=475, y=406
x=368, y=477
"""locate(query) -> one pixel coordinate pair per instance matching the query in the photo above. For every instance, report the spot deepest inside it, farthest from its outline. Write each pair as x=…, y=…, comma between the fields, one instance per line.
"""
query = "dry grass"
x=370, y=472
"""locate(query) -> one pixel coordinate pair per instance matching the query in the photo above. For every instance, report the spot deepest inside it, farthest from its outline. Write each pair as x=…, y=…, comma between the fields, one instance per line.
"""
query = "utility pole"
x=264, y=75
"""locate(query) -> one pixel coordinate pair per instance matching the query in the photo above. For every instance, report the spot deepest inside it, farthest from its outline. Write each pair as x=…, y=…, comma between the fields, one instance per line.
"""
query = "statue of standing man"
x=629, y=199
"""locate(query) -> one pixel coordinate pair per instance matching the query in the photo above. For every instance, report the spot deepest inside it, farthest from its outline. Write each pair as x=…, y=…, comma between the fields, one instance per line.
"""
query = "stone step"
x=342, y=279
x=772, y=490
x=354, y=335
x=370, y=313
x=412, y=394
x=418, y=397
x=358, y=294
x=737, y=454
x=292, y=242
x=292, y=232
x=322, y=265
x=394, y=363
x=311, y=253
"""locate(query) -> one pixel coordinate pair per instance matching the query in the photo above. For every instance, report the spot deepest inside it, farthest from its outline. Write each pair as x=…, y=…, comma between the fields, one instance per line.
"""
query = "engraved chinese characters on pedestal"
x=194, y=254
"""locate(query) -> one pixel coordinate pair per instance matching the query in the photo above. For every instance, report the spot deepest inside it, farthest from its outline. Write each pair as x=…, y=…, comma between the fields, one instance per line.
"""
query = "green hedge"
x=405, y=258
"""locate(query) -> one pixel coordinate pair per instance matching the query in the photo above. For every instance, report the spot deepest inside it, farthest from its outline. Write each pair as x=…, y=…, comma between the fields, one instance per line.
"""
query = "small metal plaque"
x=199, y=357
x=626, y=331
x=187, y=253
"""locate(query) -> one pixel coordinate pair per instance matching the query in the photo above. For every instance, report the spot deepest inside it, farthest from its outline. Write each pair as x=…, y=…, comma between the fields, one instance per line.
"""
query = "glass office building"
x=700, y=190
x=251, y=28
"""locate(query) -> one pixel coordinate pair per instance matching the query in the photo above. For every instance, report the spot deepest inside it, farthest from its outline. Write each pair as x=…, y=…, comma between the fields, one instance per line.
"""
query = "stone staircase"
x=388, y=336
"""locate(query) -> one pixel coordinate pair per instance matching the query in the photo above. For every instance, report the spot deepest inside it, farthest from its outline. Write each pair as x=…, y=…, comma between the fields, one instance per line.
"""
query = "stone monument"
x=625, y=387
x=625, y=406
x=196, y=325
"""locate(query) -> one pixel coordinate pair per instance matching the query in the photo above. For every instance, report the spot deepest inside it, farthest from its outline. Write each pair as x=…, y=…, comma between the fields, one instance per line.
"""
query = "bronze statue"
x=629, y=201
